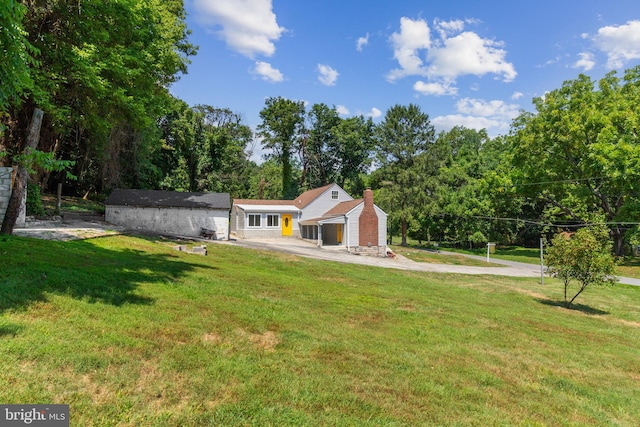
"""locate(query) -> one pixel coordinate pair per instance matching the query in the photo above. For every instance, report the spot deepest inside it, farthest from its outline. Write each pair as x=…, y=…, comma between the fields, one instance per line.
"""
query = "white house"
x=327, y=215
x=171, y=212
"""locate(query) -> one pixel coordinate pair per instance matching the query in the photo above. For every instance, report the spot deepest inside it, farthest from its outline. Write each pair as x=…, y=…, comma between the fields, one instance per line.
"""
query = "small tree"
x=585, y=257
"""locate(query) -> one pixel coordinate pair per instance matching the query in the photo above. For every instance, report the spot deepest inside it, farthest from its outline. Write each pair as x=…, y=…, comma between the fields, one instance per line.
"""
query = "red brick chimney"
x=368, y=222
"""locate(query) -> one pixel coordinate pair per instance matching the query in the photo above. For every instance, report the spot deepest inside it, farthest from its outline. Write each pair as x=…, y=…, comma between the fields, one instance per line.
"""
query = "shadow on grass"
x=81, y=269
x=576, y=307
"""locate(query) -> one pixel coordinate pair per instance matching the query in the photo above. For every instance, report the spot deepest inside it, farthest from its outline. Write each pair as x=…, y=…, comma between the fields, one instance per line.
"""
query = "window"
x=254, y=220
x=334, y=195
x=273, y=220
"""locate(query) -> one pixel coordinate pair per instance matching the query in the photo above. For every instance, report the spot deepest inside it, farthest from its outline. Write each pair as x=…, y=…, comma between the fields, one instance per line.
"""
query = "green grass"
x=508, y=253
x=129, y=332
x=433, y=257
x=72, y=204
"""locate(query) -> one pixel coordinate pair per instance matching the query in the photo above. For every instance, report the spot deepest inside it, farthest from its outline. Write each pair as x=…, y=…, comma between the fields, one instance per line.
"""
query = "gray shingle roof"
x=168, y=199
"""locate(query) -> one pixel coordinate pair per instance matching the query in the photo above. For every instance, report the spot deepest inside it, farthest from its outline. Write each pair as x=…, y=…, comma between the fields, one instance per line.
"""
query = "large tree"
x=281, y=130
x=404, y=135
x=580, y=152
x=204, y=149
x=102, y=78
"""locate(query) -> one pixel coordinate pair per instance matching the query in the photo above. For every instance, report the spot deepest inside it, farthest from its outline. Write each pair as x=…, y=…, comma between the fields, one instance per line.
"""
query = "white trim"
x=269, y=208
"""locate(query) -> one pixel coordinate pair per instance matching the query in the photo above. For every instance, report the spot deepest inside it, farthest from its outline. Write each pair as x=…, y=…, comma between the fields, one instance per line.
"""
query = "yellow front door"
x=287, y=226
x=339, y=233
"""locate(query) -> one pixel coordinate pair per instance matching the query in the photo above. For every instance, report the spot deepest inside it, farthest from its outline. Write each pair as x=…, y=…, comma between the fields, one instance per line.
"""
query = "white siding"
x=177, y=221
x=324, y=203
x=240, y=224
x=353, y=229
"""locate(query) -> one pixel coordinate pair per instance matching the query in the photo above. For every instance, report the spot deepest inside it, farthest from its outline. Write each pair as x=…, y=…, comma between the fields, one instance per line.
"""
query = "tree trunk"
x=22, y=175
x=404, y=232
x=618, y=242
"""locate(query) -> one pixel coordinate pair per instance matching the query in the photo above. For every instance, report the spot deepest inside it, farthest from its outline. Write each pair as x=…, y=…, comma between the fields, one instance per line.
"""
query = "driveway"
x=309, y=250
x=79, y=226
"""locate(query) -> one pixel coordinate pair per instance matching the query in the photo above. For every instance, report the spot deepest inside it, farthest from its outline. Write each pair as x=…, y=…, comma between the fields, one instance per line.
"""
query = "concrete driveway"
x=84, y=227
x=338, y=254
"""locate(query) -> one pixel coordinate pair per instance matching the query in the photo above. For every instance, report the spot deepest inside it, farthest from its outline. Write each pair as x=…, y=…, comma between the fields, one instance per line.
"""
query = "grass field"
x=129, y=332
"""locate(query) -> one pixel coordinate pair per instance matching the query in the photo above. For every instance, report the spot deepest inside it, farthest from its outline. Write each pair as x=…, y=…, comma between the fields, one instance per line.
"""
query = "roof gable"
x=309, y=196
x=158, y=198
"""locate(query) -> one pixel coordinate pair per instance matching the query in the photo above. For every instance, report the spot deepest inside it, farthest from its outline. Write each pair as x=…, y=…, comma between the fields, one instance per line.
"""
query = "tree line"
x=101, y=73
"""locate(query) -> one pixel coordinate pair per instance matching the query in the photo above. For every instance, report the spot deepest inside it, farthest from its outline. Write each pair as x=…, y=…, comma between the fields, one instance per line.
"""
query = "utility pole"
x=541, y=261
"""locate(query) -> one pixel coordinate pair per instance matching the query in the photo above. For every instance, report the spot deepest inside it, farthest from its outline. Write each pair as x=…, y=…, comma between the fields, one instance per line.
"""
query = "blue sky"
x=471, y=63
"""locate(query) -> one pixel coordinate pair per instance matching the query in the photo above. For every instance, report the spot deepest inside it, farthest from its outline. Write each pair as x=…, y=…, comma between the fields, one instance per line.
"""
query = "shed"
x=171, y=212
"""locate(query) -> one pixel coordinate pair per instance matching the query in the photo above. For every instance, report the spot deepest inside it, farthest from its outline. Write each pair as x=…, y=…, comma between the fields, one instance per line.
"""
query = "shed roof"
x=343, y=208
x=168, y=199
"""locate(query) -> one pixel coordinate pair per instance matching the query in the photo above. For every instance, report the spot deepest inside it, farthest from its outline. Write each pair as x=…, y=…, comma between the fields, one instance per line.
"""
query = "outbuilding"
x=170, y=212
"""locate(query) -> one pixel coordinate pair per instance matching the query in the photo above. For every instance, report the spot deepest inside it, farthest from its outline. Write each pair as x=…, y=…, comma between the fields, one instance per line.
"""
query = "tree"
x=102, y=77
x=580, y=153
x=316, y=159
x=16, y=53
x=584, y=257
x=404, y=134
x=281, y=130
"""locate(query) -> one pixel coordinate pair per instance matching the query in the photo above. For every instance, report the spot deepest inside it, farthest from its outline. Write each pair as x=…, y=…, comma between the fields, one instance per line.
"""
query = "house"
x=328, y=216
x=171, y=212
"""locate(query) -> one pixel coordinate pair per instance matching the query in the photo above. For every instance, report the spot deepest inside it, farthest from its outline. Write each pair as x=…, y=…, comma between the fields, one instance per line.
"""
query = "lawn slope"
x=129, y=332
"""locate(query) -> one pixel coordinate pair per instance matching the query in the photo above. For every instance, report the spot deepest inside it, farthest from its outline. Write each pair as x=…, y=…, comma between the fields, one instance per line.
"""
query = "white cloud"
x=454, y=53
x=446, y=28
x=342, y=110
x=446, y=123
x=267, y=72
x=327, y=75
x=482, y=108
x=621, y=43
x=494, y=116
x=413, y=37
x=517, y=95
x=247, y=26
x=467, y=53
x=434, y=88
x=374, y=113
x=362, y=42
x=586, y=61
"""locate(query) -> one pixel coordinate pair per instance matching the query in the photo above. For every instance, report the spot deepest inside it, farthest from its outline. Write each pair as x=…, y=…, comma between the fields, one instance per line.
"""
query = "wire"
x=544, y=224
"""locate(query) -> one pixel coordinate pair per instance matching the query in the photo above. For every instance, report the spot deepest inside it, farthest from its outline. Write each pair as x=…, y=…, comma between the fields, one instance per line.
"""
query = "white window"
x=334, y=195
x=273, y=220
x=254, y=220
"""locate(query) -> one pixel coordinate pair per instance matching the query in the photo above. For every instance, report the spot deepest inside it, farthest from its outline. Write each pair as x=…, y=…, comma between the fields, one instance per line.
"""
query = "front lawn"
x=129, y=332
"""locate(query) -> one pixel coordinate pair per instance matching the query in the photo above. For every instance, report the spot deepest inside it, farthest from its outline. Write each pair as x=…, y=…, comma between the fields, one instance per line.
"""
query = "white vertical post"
x=541, y=261
x=488, y=246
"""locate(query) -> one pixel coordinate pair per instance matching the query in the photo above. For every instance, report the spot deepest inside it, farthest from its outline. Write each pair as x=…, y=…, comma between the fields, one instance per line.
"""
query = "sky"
x=469, y=63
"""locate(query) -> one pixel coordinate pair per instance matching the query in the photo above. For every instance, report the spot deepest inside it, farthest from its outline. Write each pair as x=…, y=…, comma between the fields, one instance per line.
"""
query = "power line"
x=562, y=181
x=544, y=224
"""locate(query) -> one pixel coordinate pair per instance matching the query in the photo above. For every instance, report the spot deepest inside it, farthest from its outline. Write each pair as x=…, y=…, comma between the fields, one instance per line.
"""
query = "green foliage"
x=580, y=153
x=281, y=130
x=204, y=149
x=404, y=141
x=17, y=54
x=36, y=159
x=34, y=200
x=585, y=257
x=102, y=79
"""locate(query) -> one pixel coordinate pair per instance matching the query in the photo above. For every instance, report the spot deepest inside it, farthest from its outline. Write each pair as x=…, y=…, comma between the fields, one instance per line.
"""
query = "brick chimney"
x=368, y=222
